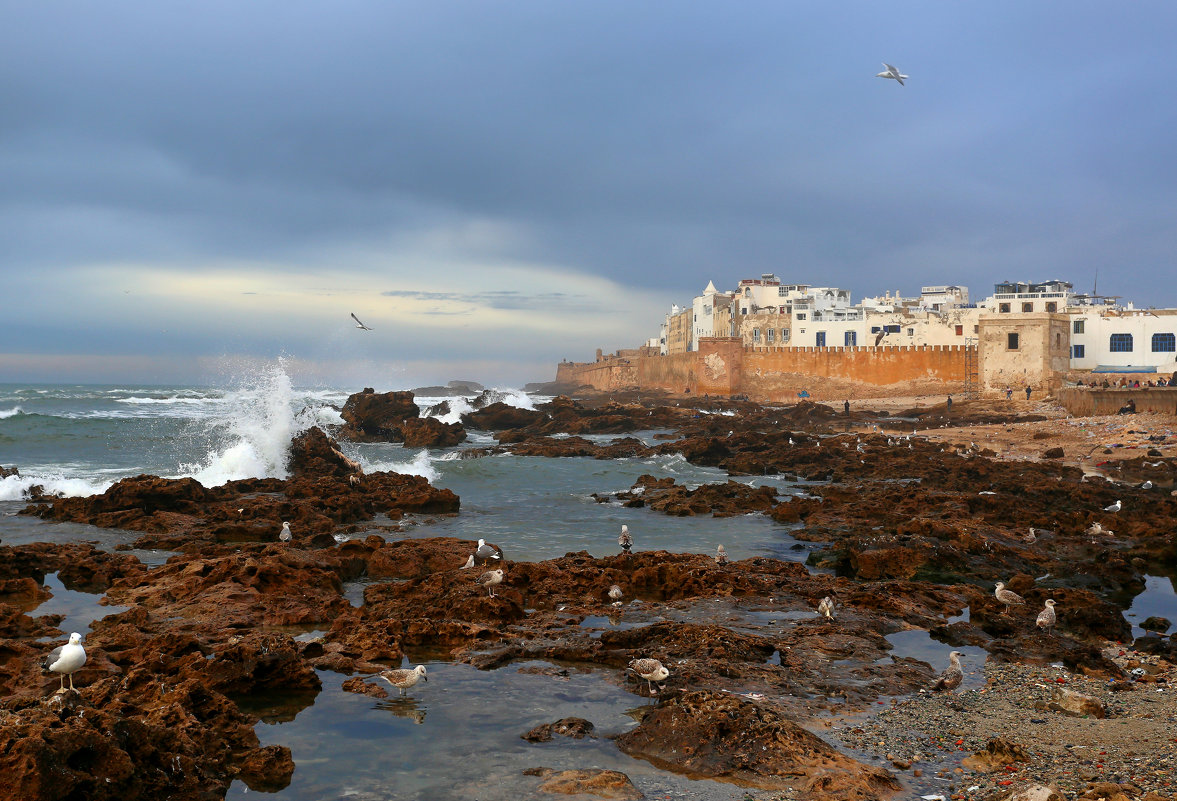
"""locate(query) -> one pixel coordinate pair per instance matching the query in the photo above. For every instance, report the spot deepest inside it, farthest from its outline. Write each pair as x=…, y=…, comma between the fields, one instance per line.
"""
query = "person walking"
x=1009, y=393
x=1027, y=392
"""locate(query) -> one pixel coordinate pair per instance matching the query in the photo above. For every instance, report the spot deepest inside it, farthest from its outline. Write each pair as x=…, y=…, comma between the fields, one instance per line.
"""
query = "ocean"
x=447, y=739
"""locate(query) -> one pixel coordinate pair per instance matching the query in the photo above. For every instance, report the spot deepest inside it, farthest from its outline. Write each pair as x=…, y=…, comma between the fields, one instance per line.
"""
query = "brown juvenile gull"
x=826, y=607
x=1046, y=618
x=405, y=678
x=67, y=659
x=1007, y=597
x=651, y=670
x=615, y=594
x=720, y=555
x=951, y=678
x=285, y=534
x=489, y=579
x=624, y=539
x=469, y=562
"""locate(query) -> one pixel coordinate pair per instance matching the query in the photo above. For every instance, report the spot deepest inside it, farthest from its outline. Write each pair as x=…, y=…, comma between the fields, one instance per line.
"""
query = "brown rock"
x=721, y=736
x=576, y=728
x=356, y=684
x=377, y=416
x=1053, y=453
x=268, y=769
x=998, y=753
x=1069, y=702
x=601, y=783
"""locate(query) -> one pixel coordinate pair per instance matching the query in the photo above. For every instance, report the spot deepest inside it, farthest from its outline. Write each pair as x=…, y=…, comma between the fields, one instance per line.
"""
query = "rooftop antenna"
x=1095, y=285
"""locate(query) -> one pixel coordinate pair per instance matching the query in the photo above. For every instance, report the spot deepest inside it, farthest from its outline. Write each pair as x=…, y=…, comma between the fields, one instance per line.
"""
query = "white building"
x=1124, y=338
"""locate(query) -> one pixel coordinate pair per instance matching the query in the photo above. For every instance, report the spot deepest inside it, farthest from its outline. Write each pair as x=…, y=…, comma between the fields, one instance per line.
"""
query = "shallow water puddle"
x=81, y=609
x=1159, y=599
x=457, y=735
x=918, y=644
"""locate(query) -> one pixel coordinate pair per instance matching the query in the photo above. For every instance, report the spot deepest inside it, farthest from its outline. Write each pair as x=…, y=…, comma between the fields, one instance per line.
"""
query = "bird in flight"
x=893, y=73
x=359, y=325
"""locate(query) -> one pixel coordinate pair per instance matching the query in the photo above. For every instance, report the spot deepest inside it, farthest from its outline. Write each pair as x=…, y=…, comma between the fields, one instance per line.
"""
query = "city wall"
x=1091, y=401
x=724, y=366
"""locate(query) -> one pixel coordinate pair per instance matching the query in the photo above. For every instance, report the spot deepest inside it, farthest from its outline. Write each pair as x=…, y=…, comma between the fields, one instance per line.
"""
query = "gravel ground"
x=926, y=737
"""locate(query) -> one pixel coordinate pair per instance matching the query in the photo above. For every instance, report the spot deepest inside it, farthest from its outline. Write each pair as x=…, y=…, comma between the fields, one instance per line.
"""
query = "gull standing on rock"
x=651, y=670
x=1047, y=617
x=1115, y=507
x=487, y=553
x=285, y=534
x=67, y=659
x=624, y=539
x=1007, y=597
x=489, y=579
x=469, y=563
x=405, y=678
x=826, y=607
x=720, y=555
x=951, y=678
x=615, y=595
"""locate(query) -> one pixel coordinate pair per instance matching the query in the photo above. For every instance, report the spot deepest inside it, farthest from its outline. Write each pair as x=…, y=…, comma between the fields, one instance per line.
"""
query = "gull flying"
x=893, y=73
x=359, y=325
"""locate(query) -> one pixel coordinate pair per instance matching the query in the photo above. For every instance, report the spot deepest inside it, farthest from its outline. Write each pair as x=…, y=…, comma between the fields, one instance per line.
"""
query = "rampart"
x=724, y=366
x=1092, y=401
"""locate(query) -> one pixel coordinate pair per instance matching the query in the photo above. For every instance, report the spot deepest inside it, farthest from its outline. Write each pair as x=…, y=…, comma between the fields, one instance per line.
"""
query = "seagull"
x=285, y=534
x=1115, y=507
x=615, y=594
x=485, y=552
x=826, y=607
x=1047, y=617
x=1146, y=485
x=951, y=678
x=489, y=579
x=651, y=670
x=1096, y=528
x=404, y=679
x=360, y=325
x=469, y=563
x=1032, y=536
x=720, y=555
x=893, y=73
x=1007, y=597
x=340, y=538
x=67, y=659
x=624, y=539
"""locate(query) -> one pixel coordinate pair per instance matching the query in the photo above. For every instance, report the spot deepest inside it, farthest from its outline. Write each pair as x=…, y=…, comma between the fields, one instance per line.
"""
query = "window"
x=800, y=316
x=1027, y=307
x=770, y=335
x=1011, y=342
x=960, y=330
x=891, y=329
x=874, y=329
x=1077, y=327
x=976, y=328
x=1077, y=351
x=1164, y=343
x=1052, y=306
x=756, y=335
x=911, y=332
x=1120, y=343
x=821, y=339
x=784, y=335
x=1003, y=308
x=851, y=339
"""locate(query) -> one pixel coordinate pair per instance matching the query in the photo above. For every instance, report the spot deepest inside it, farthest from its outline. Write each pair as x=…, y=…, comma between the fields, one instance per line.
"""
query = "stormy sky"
x=186, y=188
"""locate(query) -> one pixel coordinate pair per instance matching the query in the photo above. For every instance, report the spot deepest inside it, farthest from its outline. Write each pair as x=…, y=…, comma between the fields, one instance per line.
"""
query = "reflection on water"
x=918, y=644
x=81, y=609
x=459, y=737
x=1159, y=599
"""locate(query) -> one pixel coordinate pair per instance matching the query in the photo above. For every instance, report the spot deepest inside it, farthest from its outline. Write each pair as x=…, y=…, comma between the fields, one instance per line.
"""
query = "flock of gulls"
x=67, y=659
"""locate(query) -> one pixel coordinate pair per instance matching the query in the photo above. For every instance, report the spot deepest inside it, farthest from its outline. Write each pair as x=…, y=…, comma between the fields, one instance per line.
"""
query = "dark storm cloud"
x=657, y=146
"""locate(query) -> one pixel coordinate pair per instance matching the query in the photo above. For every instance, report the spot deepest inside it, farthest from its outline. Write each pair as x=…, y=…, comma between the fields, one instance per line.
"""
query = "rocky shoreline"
x=908, y=533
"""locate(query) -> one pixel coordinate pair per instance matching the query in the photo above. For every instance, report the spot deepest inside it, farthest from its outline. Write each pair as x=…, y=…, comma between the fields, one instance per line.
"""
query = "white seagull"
x=405, y=678
x=893, y=73
x=363, y=327
x=1115, y=507
x=67, y=659
x=285, y=534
